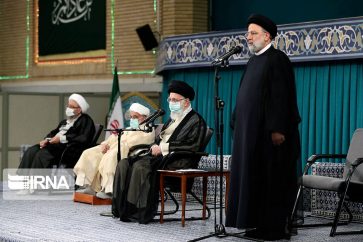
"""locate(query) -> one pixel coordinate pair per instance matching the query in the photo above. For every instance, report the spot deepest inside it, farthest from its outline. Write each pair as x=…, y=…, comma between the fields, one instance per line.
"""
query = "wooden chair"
x=184, y=175
x=183, y=182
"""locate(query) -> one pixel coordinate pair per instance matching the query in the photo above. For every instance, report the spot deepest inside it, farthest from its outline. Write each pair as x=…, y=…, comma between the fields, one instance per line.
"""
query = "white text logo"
x=37, y=182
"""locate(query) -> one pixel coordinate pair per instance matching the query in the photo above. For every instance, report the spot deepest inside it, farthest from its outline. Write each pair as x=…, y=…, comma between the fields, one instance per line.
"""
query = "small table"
x=184, y=175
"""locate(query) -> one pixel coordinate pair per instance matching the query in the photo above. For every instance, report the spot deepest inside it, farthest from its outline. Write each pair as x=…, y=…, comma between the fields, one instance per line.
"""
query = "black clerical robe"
x=264, y=176
x=79, y=138
x=136, y=182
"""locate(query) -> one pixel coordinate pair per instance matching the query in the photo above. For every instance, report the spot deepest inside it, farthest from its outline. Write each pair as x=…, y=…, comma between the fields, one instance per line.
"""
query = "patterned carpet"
x=68, y=221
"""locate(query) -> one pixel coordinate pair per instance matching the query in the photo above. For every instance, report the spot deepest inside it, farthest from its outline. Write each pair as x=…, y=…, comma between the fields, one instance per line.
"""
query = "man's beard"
x=175, y=115
x=255, y=47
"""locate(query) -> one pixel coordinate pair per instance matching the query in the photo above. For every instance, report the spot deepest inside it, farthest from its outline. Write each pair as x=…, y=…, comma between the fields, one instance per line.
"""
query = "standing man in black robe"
x=136, y=189
x=266, y=144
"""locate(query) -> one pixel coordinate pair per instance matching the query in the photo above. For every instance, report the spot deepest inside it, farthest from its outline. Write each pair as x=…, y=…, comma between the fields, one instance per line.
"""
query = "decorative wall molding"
x=142, y=84
x=311, y=41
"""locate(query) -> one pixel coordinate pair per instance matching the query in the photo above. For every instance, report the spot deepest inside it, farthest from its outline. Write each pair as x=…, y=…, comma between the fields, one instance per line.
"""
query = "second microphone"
x=151, y=118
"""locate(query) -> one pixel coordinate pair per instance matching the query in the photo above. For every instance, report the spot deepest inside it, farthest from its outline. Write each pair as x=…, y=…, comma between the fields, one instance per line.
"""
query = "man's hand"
x=277, y=138
x=55, y=140
x=43, y=143
x=155, y=150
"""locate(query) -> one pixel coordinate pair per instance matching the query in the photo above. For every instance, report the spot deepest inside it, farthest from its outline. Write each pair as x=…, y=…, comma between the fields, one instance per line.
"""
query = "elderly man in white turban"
x=95, y=169
x=76, y=132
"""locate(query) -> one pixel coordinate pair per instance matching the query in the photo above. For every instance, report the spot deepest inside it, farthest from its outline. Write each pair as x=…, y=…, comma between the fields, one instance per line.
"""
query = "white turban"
x=81, y=101
x=141, y=109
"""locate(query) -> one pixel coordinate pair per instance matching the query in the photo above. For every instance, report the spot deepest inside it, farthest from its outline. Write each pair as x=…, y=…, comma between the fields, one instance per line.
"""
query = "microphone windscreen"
x=237, y=49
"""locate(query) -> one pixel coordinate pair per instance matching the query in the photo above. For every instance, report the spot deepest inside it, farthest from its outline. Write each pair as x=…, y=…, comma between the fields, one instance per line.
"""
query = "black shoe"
x=124, y=219
x=257, y=234
x=253, y=234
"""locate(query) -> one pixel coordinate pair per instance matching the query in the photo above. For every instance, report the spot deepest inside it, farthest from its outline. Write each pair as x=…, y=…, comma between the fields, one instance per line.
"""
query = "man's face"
x=177, y=105
x=136, y=115
x=74, y=105
x=257, y=38
x=175, y=97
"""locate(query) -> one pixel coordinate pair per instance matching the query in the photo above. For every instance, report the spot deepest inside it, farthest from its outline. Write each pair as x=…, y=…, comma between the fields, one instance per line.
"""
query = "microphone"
x=234, y=50
x=154, y=116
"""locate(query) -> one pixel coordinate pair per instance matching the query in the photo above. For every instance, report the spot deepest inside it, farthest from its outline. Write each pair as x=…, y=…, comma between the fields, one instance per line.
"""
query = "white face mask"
x=134, y=123
x=175, y=107
x=69, y=112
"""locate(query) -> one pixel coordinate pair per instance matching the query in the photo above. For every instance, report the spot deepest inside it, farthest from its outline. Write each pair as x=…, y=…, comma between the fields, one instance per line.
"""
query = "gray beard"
x=251, y=48
x=175, y=116
x=254, y=49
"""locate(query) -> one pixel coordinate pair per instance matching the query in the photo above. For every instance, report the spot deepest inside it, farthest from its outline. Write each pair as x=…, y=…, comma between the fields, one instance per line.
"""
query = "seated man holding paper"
x=136, y=195
x=95, y=169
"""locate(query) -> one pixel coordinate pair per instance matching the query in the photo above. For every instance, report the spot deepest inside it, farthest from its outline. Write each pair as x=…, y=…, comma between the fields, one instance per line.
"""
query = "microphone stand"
x=219, y=229
x=119, y=133
x=147, y=129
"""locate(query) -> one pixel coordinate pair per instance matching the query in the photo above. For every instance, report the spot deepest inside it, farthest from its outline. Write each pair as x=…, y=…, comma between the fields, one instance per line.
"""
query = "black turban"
x=182, y=88
x=264, y=22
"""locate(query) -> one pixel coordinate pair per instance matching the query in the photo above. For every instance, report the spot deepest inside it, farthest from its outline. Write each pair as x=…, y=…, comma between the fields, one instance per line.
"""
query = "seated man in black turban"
x=136, y=195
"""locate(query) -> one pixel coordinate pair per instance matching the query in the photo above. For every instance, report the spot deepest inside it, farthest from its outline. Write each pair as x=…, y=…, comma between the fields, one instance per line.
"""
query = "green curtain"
x=330, y=101
x=202, y=80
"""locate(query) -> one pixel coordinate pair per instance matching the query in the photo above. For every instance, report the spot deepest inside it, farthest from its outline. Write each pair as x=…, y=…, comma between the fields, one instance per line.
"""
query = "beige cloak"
x=97, y=169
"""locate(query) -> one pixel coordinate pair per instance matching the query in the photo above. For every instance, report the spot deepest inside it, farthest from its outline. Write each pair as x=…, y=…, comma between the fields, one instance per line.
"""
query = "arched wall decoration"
x=138, y=97
x=311, y=41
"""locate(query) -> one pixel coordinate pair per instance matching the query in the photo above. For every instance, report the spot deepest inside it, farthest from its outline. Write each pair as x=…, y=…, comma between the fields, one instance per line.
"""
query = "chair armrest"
x=69, y=156
x=312, y=159
x=139, y=149
x=357, y=162
x=177, y=154
x=186, y=153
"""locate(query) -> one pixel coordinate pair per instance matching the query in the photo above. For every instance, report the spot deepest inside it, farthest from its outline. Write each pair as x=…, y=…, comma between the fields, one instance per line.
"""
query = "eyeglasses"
x=253, y=33
x=73, y=107
x=134, y=117
x=174, y=100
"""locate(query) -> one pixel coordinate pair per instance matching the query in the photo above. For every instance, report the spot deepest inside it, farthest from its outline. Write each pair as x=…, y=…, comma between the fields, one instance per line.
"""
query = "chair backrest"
x=173, y=184
x=158, y=128
x=70, y=156
x=207, y=137
x=355, y=151
x=98, y=131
